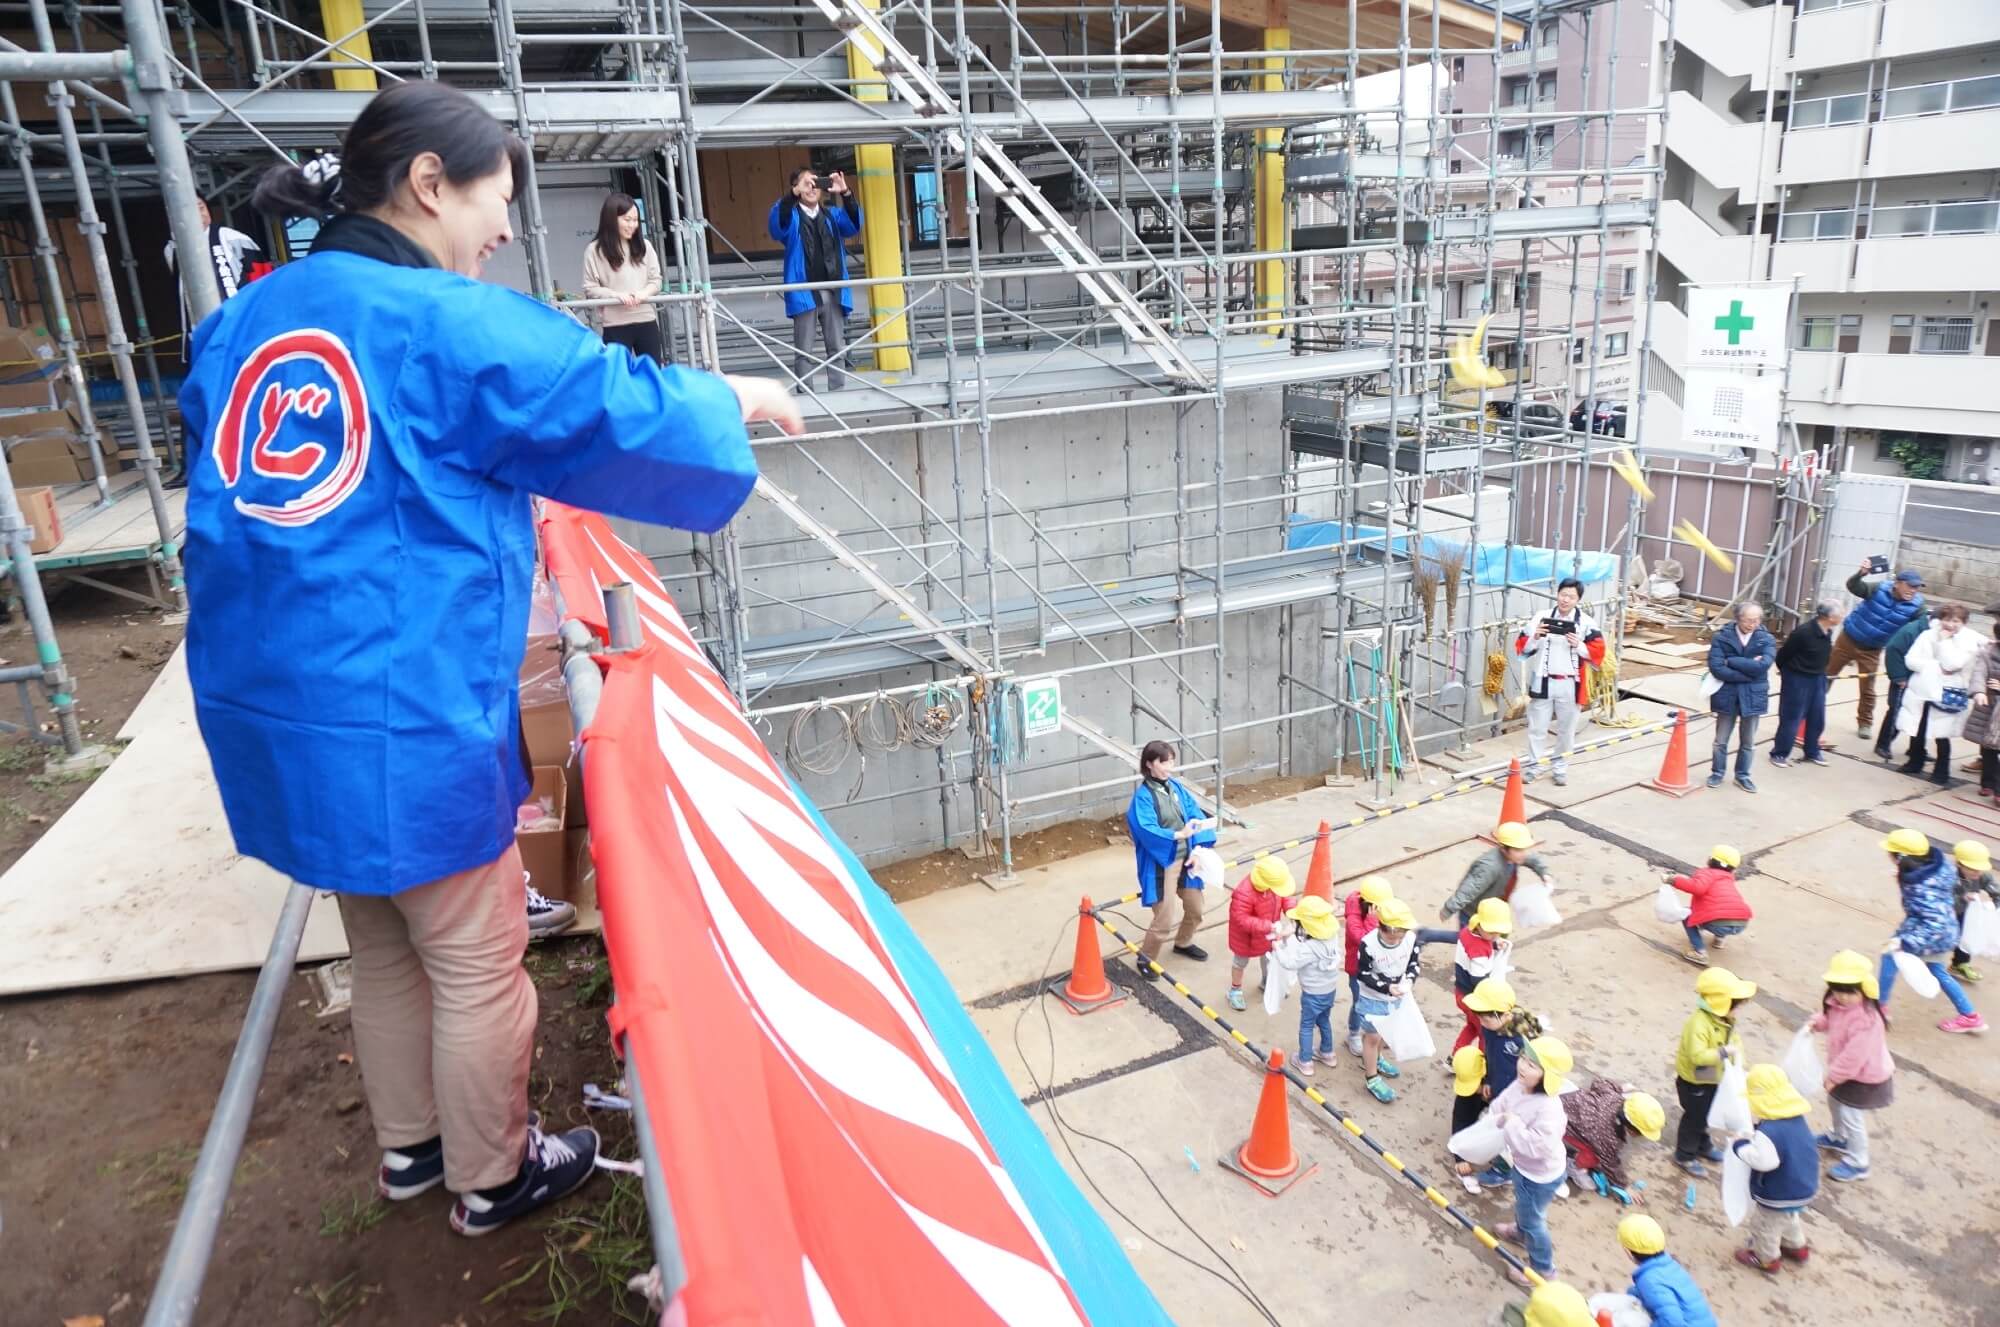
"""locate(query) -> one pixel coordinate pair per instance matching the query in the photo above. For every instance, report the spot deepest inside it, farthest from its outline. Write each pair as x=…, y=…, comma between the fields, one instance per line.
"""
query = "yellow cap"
x=1555, y=1304
x=1721, y=983
x=1271, y=875
x=1645, y=1114
x=1772, y=1096
x=1514, y=834
x=1494, y=917
x=1490, y=996
x=1907, y=843
x=1376, y=890
x=1848, y=968
x=1972, y=855
x=1639, y=1233
x=1725, y=854
x=1555, y=1060
x=1395, y=915
x=1468, y=1069
x=1315, y=914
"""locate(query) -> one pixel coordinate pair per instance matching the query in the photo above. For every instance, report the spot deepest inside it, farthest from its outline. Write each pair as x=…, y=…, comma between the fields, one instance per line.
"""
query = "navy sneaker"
x=1746, y=785
x=557, y=1165
x=1831, y=1142
x=1780, y=762
x=1715, y=780
x=409, y=1171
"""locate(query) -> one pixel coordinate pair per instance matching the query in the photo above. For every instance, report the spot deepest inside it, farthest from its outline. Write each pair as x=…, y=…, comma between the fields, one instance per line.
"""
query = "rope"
x=876, y=714
x=821, y=756
x=934, y=716
x=1603, y=682
x=1496, y=674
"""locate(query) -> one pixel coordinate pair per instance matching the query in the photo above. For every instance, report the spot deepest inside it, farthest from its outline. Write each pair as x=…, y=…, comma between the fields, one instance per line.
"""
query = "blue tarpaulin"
x=1492, y=563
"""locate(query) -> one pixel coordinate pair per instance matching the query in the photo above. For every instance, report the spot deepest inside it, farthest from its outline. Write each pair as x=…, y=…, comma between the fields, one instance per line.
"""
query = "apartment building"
x=1852, y=147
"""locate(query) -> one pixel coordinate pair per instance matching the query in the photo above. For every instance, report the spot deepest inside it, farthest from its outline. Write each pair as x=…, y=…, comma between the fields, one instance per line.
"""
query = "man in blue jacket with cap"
x=1883, y=610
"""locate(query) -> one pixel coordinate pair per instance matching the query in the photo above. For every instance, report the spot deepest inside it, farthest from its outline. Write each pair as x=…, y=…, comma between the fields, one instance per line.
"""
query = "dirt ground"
x=108, y=1094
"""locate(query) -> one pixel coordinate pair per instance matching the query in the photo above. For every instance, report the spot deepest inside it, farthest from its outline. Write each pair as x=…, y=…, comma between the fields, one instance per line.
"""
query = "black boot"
x=1915, y=764
x=1942, y=774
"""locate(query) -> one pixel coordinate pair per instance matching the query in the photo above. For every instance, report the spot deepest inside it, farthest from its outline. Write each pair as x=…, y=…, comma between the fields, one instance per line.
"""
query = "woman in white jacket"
x=1947, y=677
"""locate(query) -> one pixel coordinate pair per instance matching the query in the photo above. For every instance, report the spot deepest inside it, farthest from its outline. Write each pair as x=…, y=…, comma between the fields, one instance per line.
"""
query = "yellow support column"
x=340, y=18
x=1270, y=183
x=881, y=212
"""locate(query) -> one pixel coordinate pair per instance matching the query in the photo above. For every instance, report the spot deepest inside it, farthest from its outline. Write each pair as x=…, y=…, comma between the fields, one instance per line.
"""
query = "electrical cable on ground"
x=1064, y=1128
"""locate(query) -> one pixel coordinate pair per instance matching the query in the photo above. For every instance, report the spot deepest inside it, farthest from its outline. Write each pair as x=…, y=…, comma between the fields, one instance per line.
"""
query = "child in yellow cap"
x=1530, y=1114
x=1553, y=1304
x=1256, y=912
x=1860, y=1073
x=1975, y=876
x=1660, y=1284
x=1784, y=1171
x=1315, y=953
x=1388, y=969
x=1707, y=1038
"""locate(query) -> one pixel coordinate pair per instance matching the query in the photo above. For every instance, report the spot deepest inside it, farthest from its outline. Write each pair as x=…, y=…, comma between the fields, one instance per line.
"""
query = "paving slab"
x=1841, y=864
x=1066, y=1048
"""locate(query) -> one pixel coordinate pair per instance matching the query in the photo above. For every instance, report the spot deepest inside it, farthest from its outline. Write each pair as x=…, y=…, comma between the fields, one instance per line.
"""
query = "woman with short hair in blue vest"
x=1783, y=1157
x=1166, y=826
x=1739, y=659
x=1883, y=610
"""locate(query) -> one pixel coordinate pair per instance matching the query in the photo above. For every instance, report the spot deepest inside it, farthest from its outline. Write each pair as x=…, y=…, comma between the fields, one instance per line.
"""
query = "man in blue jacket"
x=1883, y=610
x=814, y=225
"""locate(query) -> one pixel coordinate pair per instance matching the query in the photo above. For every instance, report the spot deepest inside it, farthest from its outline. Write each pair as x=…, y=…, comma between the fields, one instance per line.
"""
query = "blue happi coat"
x=364, y=434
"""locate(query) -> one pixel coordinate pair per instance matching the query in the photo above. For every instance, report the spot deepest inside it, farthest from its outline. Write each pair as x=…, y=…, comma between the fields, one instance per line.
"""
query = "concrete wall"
x=1966, y=573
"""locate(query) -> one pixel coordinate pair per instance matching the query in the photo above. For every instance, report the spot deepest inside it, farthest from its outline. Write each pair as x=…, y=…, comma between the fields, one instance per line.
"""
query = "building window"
x=1615, y=344
x=1833, y=224
x=1816, y=333
x=1550, y=33
x=1578, y=348
x=1545, y=87
x=1530, y=291
x=1850, y=334
x=1516, y=90
x=1458, y=69
x=1815, y=112
x=1944, y=336
x=1814, y=6
x=1628, y=281
x=1902, y=330
x=1960, y=94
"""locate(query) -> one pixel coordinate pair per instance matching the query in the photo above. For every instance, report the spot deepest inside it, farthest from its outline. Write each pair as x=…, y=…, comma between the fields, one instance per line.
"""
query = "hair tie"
x=324, y=172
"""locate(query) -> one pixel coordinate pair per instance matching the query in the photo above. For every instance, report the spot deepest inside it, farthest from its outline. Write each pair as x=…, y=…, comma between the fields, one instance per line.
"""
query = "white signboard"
x=1041, y=704
x=1722, y=410
x=1740, y=327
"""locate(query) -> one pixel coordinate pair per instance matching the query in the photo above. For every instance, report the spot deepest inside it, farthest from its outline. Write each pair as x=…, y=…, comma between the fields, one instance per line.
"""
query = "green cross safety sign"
x=1041, y=704
x=1735, y=322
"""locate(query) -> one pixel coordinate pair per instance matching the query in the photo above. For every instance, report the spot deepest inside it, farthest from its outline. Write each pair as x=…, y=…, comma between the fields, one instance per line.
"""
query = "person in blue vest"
x=1166, y=825
x=1659, y=1282
x=1783, y=1157
x=1739, y=659
x=814, y=224
x=371, y=422
x=1883, y=609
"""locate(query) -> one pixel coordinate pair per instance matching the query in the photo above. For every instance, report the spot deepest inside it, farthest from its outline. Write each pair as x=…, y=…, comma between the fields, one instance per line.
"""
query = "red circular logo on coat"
x=286, y=424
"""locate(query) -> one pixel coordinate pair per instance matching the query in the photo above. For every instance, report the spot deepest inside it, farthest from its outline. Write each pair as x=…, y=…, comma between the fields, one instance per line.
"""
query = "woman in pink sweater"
x=1529, y=1112
x=1860, y=1075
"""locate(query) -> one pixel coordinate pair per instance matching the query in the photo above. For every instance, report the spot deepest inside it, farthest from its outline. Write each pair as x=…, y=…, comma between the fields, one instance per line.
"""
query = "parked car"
x=1606, y=417
x=1536, y=416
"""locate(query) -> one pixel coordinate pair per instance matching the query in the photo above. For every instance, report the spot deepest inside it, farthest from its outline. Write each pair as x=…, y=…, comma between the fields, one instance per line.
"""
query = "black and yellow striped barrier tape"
x=1347, y=1122
x=1473, y=784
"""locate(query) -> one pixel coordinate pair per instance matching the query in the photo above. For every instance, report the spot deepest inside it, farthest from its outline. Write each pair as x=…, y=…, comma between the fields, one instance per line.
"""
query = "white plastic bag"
x=1735, y=1186
x=1534, y=905
x=1478, y=1142
x=1802, y=1064
x=1278, y=982
x=1670, y=905
x=1623, y=1310
x=1205, y=865
x=1914, y=971
x=1404, y=1031
x=1730, y=1111
x=1979, y=933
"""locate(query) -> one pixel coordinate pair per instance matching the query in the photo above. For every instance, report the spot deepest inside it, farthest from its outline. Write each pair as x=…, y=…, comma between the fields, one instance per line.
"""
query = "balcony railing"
x=1917, y=219
x=1943, y=98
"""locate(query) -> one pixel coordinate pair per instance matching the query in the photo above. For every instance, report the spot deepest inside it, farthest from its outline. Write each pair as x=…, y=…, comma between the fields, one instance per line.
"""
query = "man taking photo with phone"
x=1553, y=652
x=814, y=221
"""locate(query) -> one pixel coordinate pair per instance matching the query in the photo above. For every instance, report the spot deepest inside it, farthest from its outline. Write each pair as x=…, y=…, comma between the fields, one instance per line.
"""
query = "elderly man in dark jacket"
x=1802, y=684
x=1739, y=659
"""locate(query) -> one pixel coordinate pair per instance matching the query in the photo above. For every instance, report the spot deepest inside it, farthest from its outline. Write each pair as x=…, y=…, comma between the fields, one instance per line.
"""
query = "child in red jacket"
x=1255, y=909
x=1368, y=894
x=1719, y=908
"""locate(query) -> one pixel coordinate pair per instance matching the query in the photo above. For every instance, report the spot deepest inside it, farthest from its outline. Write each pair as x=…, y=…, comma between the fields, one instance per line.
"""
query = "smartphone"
x=1557, y=626
x=826, y=182
x=1877, y=565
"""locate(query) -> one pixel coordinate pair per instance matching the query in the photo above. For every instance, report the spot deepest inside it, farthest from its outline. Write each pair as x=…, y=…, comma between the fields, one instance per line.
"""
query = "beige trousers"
x=1773, y=1229
x=1866, y=663
x=1163, y=920
x=444, y=1017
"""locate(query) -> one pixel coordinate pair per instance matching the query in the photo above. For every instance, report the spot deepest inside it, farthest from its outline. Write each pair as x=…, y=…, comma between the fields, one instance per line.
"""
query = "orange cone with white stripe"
x=1087, y=990
x=1267, y=1159
x=1319, y=875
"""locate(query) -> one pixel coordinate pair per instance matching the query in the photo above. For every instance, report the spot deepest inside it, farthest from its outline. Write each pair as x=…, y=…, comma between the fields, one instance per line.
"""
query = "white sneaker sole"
x=397, y=1193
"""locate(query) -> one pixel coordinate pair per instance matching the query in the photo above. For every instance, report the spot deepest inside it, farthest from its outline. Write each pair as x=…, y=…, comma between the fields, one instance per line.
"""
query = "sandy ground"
x=1916, y=1243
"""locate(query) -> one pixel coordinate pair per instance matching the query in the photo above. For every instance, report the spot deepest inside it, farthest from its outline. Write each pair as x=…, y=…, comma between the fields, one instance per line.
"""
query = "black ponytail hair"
x=394, y=129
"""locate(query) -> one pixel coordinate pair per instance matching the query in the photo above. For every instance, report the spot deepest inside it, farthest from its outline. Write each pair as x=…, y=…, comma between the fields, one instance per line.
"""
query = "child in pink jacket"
x=1859, y=1070
x=1254, y=911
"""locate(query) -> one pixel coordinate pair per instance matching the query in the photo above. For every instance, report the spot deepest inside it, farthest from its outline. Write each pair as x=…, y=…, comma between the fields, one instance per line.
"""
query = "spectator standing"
x=1896, y=663
x=620, y=265
x=1166, y=825
x=1883, y=609
x=1802, y=684
x=1553, y=654
x=1983, y=726
x=226, y=248
x=814, y=225
x=1739, y=658
x=1947, y=676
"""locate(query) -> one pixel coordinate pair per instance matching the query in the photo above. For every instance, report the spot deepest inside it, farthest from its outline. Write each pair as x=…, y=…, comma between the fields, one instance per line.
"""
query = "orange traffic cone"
x=1267, y=1159
x=1673, y=777
x=1319, y=875
x=1513, y=803
x=1087, y=989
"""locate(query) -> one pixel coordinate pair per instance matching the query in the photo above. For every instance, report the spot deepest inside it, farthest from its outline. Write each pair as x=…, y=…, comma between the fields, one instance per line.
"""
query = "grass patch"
x=18, y=757
x=587, y=1256
x=357, y=1215
x=335, y=1301
x=596, y=988
x=59, y=780
x=159, y=1178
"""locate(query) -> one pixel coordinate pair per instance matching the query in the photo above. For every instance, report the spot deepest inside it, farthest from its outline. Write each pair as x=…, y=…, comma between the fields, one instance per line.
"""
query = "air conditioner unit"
x=1974, y=476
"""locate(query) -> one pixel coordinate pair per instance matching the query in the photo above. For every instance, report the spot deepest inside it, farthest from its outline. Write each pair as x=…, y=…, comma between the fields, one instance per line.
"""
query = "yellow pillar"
x=881, y=242
x=341, y=17
x=1270, y=185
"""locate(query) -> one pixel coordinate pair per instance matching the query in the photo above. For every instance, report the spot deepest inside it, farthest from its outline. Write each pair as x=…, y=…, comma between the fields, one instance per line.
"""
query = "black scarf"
x=821, y=246
x=1166, y=804
x=351, y=232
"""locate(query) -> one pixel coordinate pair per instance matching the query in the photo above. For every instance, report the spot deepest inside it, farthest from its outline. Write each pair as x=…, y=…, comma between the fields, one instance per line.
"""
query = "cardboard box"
x=543, y=853
x=48, y=458
x=29, y=366
x=38, y=508
x=580, y=875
